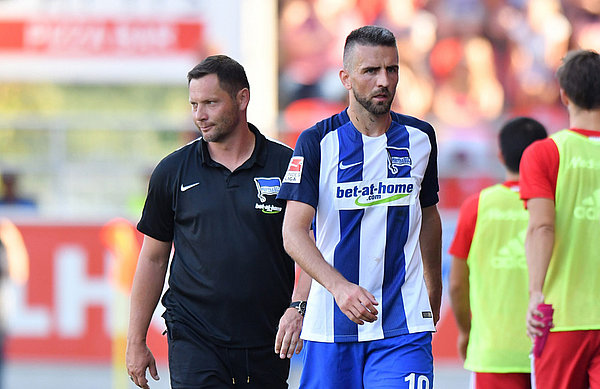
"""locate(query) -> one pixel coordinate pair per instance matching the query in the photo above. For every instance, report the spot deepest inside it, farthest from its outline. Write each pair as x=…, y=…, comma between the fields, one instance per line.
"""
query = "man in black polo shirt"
x=230, y=279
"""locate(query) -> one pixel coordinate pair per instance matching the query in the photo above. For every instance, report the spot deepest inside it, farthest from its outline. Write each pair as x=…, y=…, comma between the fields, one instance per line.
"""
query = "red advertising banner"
x=74, y=304
x=100, y=37
x=71, y=307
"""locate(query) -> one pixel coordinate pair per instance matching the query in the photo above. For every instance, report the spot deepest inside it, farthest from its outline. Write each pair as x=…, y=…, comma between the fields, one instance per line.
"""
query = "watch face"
x=302, y=307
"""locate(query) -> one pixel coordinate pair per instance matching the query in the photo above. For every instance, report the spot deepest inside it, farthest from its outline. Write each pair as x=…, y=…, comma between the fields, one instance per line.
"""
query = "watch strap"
x=299, y=305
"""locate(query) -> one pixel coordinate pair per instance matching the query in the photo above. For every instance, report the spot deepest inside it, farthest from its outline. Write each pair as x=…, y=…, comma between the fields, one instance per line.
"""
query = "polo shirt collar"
x=259, y=154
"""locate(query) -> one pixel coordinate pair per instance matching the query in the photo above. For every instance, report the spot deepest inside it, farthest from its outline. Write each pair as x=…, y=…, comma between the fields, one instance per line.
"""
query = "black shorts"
x=196, y=362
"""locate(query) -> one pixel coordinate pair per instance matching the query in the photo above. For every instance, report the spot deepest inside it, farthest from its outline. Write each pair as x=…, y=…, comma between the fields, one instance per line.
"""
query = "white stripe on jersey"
x=322, y=302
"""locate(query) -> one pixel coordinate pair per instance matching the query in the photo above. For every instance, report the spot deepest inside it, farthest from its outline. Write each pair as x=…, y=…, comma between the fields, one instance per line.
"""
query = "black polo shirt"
x=230, y=277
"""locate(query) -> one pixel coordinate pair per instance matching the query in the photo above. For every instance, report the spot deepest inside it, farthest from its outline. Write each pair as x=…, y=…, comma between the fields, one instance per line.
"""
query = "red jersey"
x=539, y=167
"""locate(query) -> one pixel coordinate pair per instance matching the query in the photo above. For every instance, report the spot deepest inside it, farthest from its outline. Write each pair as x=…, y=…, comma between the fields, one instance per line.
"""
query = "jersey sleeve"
x=158, y=216
x=430, y=185
x=539, y=170
x=428, y=195
x=465, y=228
x=301, y=180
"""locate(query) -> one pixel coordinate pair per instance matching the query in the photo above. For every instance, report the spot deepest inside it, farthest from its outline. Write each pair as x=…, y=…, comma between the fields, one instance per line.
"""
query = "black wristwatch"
x=300, y=306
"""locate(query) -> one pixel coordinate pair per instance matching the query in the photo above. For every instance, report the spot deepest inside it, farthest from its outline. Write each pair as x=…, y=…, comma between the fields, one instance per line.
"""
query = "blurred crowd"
x=465, y=66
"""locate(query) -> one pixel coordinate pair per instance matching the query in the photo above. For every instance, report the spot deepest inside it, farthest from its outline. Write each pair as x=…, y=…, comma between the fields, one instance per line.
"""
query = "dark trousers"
x=196, y=362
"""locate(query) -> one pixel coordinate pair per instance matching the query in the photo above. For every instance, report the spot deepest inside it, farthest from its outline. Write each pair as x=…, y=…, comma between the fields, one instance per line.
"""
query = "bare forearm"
x=302, y=288
x=433, y=280
x=462, y=314
x=539, y=242
x=303, y=250
x=538, y=250
x=147, y=288
x=431, y=250
x=459, y=299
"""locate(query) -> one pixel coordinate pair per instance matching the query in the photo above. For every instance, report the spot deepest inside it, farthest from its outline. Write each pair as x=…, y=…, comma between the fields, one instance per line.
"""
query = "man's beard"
x=375, y=108
x=222, y=129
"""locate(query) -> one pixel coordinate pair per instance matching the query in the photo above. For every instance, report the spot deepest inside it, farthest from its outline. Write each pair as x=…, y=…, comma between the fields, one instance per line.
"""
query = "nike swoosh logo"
x=344, y=167
x=184, y=188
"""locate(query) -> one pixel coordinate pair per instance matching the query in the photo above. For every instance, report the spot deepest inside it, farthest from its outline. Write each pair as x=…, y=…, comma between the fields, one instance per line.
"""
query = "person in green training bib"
x=488, y=278
x=561, y=185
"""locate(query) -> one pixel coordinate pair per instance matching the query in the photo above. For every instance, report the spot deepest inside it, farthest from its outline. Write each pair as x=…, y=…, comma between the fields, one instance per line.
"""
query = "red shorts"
x=502, y=380
x=570, y=360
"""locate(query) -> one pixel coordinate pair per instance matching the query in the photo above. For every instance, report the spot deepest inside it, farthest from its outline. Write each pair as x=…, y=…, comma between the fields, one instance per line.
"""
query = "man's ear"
x=500, y=157
x=345, y=78
x=243, y=98
x=564, y=98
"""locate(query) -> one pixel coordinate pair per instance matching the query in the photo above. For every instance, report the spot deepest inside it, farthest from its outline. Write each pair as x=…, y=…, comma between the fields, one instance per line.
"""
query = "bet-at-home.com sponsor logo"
x=267, y=186
x=268, y=208
x=364, y=194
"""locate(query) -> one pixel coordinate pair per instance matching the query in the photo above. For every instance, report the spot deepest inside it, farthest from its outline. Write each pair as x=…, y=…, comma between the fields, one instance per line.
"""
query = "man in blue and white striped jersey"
x=366, y=179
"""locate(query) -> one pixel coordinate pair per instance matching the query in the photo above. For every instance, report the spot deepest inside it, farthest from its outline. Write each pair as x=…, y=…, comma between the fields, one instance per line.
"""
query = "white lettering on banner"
x=75, y=291
x=60, y=37
x=23, y=320
x=98, y=37
x=148, y=38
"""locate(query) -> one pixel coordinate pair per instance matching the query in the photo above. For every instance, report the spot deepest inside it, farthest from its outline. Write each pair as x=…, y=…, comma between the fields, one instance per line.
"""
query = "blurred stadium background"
x=93, y=94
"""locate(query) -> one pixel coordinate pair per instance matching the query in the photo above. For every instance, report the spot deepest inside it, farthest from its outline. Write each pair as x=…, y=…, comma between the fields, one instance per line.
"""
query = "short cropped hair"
x=231, y=75
x=367, y=36
x=579, y=77
x=514, y=137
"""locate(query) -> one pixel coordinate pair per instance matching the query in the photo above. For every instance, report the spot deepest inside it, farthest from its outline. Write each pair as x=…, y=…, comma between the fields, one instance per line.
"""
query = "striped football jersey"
x=368, y=193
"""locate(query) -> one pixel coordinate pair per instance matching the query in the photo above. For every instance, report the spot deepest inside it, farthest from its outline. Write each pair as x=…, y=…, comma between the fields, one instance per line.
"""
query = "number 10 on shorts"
x=422, y=382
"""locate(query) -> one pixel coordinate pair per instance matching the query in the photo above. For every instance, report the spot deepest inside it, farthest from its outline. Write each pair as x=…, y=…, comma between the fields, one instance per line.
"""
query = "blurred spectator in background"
x=305, y=51
x=415, y=29
x=538, y=38
x=12, y=201
x=561, y=186
x=488, y=279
